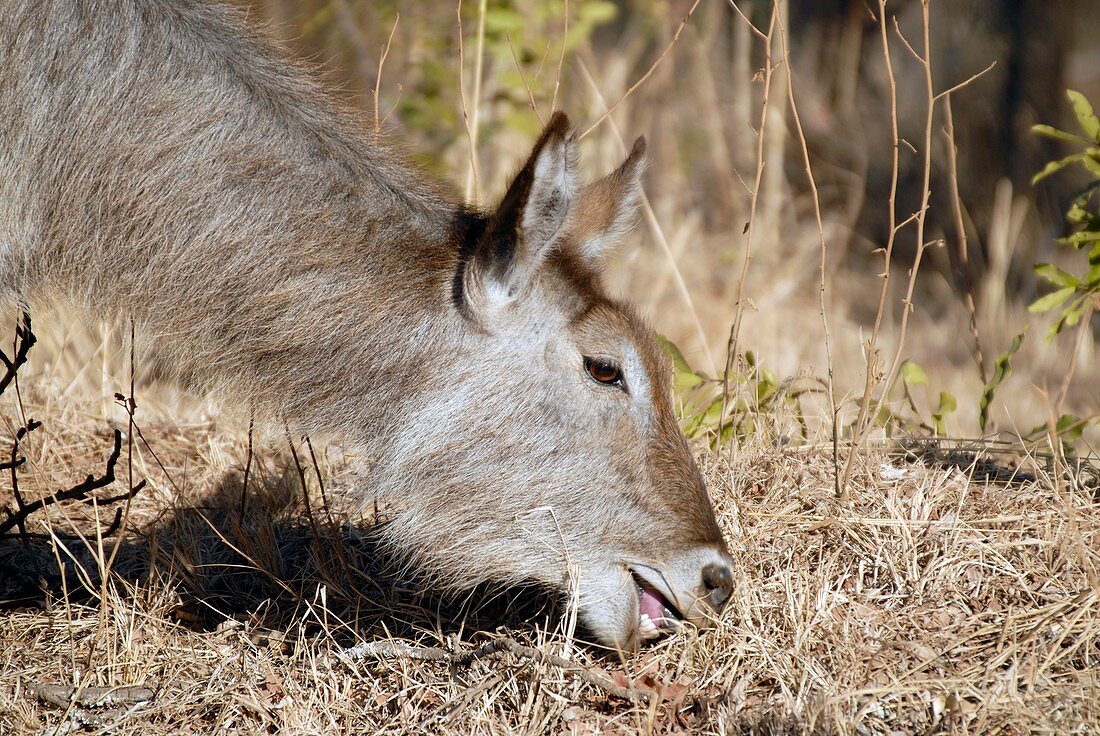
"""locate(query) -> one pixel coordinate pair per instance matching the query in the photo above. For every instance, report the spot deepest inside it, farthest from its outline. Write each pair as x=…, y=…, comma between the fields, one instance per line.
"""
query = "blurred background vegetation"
x=473, y=81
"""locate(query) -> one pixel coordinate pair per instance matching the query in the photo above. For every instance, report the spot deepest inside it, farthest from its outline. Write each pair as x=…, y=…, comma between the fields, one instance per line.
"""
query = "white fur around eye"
x=641, y=392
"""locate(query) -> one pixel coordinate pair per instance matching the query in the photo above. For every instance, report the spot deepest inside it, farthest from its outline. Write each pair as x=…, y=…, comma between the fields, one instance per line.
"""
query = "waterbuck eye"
x=604, y=370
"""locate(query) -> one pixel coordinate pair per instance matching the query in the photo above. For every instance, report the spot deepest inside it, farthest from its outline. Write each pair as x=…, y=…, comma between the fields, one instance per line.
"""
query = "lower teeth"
x=646, y=628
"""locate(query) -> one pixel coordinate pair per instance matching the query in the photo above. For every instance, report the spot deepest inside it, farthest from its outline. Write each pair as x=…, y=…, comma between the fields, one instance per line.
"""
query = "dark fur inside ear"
x=469, y=229
x=522, y=229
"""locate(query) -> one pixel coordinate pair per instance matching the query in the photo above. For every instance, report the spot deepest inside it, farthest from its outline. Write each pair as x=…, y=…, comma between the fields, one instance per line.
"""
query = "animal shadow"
x=263, y=556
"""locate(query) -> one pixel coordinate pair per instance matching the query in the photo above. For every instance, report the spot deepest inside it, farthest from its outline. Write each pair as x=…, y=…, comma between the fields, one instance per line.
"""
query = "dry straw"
x=882, y=588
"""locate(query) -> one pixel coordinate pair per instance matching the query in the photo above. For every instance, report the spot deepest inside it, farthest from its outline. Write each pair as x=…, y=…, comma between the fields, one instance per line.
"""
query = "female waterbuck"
x=162, y=163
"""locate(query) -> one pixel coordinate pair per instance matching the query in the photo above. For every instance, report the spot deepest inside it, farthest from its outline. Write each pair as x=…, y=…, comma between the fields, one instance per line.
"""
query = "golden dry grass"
x=949, y=594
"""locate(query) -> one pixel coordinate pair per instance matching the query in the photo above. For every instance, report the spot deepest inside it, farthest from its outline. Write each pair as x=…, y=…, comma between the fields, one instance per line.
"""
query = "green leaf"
x=1070, y=427
x=704, y=418
x=1086, y=118
x=1077, y=214
x=1094, y=255
x=1074, y=312
x=598, y=11
x=948, y=405
x=1055, y=275
x=1002, y=369
x=679, y=362
x=1056, y=166
x=1091, y=160
x=1052, y=132
x=593, y=13
x=913, y=375
x=1083, y=196
x=1051, y=300
x=685, y=378
x=1054, y=330
x=1078, y=239
x=766, y=387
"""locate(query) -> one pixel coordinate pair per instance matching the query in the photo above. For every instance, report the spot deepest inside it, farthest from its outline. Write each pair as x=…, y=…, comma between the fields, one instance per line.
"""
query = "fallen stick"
x=491, y=650
x=92, y=697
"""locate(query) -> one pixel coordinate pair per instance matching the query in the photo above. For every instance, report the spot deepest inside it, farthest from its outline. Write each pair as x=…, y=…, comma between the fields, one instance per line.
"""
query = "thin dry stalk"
x=742, y=87
x=961, y=241
x=925, y=60
x=822, y=301
x=523, y=79
x=871, y=349
x=130, y=404
x=378, y=78
x=561, y=59
x=472, y=120
x=1083, y=328
x=649, y=72
x=750, y=228
x=774, y=197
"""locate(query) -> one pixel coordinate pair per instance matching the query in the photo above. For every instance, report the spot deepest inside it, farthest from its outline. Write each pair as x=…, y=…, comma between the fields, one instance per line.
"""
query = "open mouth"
x=656, y=614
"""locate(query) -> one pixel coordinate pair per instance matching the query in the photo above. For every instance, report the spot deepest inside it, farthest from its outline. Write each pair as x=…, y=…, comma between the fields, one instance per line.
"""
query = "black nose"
x=718, y=579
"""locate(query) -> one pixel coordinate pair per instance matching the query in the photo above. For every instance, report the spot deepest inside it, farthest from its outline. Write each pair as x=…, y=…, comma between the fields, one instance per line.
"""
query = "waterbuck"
x=160, y=162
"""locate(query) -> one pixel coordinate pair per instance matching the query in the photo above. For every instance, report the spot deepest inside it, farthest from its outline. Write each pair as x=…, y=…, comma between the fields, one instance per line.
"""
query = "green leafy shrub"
x=739, y=404
x=1075, y=295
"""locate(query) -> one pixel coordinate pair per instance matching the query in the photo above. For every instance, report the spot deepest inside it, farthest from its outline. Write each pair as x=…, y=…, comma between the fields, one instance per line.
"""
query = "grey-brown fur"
x=160, y=162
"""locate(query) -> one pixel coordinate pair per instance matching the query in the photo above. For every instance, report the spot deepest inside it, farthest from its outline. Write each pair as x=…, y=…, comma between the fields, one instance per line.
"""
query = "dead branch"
x=119, y=702
x=24, y=341
x=80, y=492
x=92, y=697
x=492, y=650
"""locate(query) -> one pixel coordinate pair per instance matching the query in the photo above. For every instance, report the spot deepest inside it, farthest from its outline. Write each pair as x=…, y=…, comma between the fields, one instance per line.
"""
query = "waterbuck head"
x=546, y=448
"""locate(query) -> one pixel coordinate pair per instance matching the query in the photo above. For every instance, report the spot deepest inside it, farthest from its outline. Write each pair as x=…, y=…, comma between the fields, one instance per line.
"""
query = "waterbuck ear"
x=607, y=209
x=529, y=221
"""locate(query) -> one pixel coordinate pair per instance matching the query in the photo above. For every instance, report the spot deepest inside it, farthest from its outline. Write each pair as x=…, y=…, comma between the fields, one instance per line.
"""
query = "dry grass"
x=948, y=594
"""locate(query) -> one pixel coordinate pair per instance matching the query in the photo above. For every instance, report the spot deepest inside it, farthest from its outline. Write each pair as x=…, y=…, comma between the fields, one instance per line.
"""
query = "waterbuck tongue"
x=652, y=604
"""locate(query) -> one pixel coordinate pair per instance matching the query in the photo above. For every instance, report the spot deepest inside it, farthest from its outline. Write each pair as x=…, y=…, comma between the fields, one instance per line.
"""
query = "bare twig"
x=474, y=123
x=561, y=60
x=750, y=227
x=960, y=233
x=378, y=79
x=13, y=466
x=965, y=83
x=926, y=192
x=24, y=341
x=522, y=78
x=756, y=31
x=80, y=492
x=492, y=650
x=870, y=376
x=129, y=403
x=648, y=73
x=824, y=250
x=92, y=697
